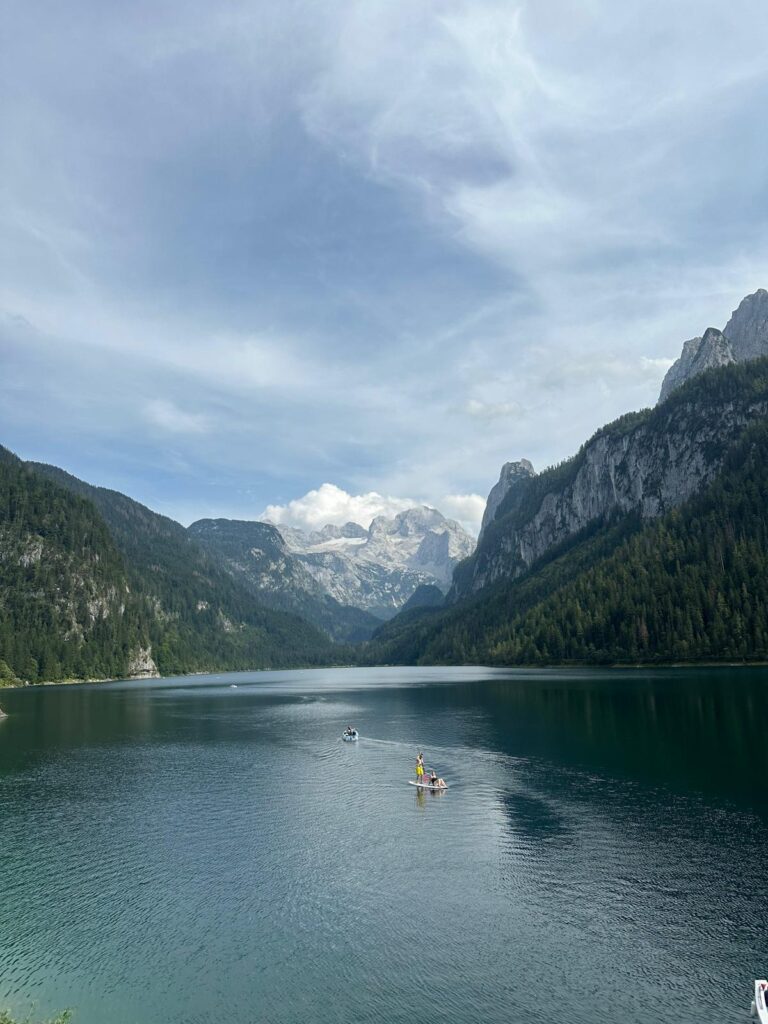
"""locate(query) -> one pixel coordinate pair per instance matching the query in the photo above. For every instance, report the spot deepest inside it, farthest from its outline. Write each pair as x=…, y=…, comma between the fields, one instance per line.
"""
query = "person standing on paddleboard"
x=420, y=767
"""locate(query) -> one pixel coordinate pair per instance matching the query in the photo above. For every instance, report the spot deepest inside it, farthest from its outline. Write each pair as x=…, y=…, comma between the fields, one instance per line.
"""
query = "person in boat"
x=420, y=767
x=349, y=731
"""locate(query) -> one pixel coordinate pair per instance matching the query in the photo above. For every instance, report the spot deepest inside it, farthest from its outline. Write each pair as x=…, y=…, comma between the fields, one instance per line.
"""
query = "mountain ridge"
x=509, y=607
x=256, y=554
x=378, y=569
x=744, y=337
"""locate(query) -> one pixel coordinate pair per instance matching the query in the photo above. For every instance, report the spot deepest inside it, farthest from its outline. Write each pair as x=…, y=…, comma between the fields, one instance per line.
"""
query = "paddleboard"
x=760, y=1002
x=424, y=785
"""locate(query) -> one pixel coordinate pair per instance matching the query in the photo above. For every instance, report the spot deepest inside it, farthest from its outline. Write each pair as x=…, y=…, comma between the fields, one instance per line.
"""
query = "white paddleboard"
x=760, y=1003
x=424, y=785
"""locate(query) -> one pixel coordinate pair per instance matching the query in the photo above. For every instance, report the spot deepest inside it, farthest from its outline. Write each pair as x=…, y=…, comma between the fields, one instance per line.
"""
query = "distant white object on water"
x=350, y=737
x=759, y=1005
x=233, y=686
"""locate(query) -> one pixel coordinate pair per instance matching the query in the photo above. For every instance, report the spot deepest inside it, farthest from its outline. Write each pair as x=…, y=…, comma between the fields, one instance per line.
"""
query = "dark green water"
x=181, y=851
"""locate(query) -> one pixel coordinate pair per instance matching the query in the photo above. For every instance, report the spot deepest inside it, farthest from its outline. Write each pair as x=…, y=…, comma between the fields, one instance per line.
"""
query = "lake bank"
x=560, y=666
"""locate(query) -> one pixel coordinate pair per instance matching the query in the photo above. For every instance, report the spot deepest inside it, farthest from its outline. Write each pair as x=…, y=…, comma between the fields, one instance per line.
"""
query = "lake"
x=182, y=850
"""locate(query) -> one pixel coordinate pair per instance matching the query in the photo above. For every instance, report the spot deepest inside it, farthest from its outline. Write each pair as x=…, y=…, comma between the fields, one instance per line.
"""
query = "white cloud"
x=164, y=414
x=654, y=368
x=493, y=410
x=578, y=193
x=467, y=508
x=330, y=504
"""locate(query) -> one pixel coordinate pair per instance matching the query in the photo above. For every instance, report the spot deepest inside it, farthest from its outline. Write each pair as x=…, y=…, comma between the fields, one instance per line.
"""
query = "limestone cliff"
x=512, y=473
x=744, y=337
x=747, y=330
x=645, y=463
x=698, y=355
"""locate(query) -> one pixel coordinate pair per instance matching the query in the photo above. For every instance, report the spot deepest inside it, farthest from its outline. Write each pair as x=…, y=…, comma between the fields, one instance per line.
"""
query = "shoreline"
x=602, y=667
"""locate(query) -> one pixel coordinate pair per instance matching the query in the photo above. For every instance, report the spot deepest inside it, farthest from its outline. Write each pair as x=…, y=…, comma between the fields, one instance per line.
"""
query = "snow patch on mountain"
x=378, y=569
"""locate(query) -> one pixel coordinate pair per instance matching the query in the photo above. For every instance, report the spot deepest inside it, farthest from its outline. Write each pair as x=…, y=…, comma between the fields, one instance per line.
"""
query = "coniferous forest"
x=95, y=585
x=692, y=586
x=92, y=592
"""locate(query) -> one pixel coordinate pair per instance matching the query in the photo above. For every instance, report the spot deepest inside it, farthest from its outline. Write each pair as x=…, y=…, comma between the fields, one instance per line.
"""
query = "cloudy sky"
x=289, y=254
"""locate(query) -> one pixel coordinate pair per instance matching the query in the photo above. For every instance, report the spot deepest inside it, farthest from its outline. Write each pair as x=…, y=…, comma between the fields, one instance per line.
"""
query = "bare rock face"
x=745, y=337
x=378, y=569
x=698, y=355
x=747, y=330
x=142, y=665
x=645, y=467
x=512, y=473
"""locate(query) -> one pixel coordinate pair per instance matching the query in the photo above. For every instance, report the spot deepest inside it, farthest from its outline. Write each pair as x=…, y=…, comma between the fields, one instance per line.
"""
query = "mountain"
x=650, y=544
x=425, y=596
x=744, y=337
x=66, y=607
x=196, y=616
x=378, y=569
x=256, y=554
x=512, y=474
x=698, y=355
x=645, y=463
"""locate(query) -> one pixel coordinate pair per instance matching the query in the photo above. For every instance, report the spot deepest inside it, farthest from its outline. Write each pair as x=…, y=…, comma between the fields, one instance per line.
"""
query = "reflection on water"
x=179, y=850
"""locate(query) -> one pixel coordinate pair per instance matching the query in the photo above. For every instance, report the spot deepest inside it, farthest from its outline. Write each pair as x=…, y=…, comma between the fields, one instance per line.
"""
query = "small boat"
x=759, y=1004
x=350, y=737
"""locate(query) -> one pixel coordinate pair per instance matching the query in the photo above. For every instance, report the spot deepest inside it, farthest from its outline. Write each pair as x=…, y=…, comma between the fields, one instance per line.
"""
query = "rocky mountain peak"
x=349, y=531
x=747, y=330
x=409, y=523
x=745, y=337
x=698, y=355
x=378, y=569
x=512, y=474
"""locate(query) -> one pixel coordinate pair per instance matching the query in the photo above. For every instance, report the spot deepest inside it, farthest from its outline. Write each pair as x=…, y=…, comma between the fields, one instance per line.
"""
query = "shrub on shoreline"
x=62, y=1018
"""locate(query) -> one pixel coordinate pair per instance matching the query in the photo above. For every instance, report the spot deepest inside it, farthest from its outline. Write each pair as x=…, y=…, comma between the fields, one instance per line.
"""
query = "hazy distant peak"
x=332, y=532
x=411, y=521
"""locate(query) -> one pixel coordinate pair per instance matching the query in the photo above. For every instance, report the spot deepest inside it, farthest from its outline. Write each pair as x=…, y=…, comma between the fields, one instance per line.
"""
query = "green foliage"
x=690, y=586
x=88, y=578
x=256, y=556
x=65, y=607
x=688, y=412
x=62, y=1018
x=7, y=675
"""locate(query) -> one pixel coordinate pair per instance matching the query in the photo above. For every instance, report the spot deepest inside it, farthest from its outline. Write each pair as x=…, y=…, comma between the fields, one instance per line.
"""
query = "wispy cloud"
x=385, y=244
x=169, y=417
x=493, y=410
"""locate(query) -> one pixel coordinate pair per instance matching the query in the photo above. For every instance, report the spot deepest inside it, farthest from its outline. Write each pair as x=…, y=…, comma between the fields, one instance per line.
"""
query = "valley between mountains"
x=650, y=544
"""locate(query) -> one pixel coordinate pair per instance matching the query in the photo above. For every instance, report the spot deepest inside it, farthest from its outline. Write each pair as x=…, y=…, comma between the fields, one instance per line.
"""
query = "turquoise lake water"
x=181, y=850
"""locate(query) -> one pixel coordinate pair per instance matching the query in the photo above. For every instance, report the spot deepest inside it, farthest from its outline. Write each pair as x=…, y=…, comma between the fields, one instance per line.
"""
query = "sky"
x=329, y=259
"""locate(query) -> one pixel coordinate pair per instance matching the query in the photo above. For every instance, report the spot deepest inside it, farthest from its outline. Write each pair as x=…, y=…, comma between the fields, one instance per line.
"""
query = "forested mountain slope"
x=644, y=464
x=256, y=555
x=66, y=608
x=689, y=584
x=162, y=603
